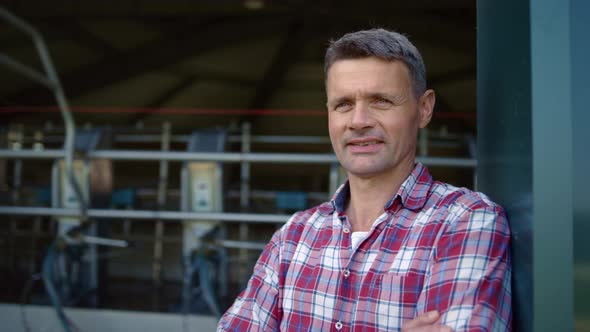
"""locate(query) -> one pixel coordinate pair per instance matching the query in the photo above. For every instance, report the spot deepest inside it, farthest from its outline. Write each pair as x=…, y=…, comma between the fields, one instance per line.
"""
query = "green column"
x=504, y=133
x=552, y=165
x=532, y=68
x=580, y=12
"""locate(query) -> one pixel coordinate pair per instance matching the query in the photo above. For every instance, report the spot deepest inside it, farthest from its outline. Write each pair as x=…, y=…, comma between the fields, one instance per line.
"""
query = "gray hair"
x=383, y=44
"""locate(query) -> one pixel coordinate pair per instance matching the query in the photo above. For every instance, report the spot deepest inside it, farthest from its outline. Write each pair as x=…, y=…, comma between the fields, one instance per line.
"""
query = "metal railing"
x=51, y=81
x=235, y=157
x=154, y=156
x=146, y=214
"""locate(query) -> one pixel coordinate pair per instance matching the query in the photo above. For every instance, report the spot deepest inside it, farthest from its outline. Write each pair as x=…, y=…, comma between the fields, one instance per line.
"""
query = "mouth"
x=364, y=143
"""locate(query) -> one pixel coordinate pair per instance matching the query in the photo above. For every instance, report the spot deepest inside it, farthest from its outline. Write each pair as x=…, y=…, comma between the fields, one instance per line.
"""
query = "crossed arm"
x=469, y=279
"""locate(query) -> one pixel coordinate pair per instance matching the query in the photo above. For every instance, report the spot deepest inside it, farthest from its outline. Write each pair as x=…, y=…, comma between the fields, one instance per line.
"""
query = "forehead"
x=367, y=75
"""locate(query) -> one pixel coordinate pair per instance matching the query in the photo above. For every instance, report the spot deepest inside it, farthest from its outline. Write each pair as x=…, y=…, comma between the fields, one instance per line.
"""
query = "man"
x=393, y=250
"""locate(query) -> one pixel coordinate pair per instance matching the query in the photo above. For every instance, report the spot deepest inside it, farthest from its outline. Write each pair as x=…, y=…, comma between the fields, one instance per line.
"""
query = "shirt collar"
x=413, y=192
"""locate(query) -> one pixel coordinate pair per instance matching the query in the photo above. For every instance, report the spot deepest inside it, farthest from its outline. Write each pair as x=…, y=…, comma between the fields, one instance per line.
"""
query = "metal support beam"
x=235, y=157
x=293, y=41
x=145, y=214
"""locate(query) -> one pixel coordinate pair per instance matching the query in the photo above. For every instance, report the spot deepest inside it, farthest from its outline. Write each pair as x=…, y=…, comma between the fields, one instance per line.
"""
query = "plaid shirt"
x=435, y=247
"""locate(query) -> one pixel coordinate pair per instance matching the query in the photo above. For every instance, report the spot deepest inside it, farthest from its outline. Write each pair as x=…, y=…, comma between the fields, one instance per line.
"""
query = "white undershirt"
x=356, y=238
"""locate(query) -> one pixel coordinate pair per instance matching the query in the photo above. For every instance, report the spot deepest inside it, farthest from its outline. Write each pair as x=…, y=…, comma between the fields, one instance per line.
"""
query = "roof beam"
x=283, y=59
x=187, y=40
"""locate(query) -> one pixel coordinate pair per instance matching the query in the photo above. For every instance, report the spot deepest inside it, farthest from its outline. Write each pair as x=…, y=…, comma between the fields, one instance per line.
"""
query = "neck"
x=368, y=195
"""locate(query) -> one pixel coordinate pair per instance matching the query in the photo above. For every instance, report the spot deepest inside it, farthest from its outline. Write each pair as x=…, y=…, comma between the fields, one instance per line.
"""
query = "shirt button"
x=338, y=325
x=346, y=230
x=346, y=273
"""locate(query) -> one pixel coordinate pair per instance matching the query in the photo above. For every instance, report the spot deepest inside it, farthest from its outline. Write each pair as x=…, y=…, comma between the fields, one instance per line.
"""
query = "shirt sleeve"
x=469, y=277
x=257, y=307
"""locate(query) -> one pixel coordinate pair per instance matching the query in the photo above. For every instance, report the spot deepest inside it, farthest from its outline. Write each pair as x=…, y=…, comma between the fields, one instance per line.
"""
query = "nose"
x=361, y=117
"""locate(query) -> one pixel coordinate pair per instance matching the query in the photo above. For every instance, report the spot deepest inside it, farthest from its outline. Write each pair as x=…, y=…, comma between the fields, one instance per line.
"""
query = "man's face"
x=373, y=115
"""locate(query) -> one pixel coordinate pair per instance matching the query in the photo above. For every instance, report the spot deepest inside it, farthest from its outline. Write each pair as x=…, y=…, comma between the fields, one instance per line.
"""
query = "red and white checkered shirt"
x=435, y=247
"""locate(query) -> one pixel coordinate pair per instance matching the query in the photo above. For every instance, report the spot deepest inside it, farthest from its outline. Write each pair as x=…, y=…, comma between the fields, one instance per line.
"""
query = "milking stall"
x=149, y=150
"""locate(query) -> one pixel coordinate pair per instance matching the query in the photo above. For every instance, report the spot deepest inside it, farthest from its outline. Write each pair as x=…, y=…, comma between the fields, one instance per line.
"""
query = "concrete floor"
x=17, y=318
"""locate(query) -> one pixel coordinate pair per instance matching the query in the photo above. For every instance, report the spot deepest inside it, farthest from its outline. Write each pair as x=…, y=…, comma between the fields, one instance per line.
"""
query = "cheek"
x=334, y=138
x=334, y=124
x=331, y=129
x=335, y=131
x=402, y=127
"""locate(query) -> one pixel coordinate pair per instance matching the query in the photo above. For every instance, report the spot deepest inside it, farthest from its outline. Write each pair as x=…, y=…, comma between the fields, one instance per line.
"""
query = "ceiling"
x=218, y=63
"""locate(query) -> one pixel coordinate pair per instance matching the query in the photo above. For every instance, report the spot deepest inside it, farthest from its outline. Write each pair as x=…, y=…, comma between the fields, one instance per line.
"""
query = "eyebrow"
x=393, y=97
x=375, y=95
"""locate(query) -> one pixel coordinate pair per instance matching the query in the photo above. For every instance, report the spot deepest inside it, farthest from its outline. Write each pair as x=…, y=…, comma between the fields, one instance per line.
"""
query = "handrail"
x=147, y=214
x=235, y=157
x=51, y=81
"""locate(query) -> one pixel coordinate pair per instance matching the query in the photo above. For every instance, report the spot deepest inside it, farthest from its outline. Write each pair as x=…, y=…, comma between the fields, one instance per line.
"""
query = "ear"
x=426, y=107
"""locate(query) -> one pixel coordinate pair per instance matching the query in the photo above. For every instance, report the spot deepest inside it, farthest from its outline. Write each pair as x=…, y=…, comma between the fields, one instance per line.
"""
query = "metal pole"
x=244, y=198
x=159, y=231
x=16, y=143
x=31, y=154
x=163, y=176
x=245, y=245
x=147, y=214
x=245, y=169
x=235, y=157
x=473, y=154
x=433, y=140
x=16, y=137
x=31, y=74
x=272, y=139
x=423, y=142
x=213, y=156
x=52, y=82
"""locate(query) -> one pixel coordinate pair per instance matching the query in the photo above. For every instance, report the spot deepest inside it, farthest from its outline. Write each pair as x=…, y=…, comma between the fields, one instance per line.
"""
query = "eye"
x=382, y=103
x=343, y=106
